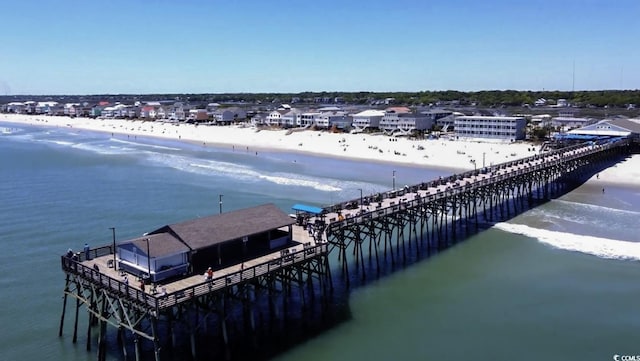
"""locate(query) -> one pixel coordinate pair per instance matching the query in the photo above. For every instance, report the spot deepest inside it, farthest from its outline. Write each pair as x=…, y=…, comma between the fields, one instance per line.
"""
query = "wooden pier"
x=431, y=216
x=138, y=311
x=373, y=230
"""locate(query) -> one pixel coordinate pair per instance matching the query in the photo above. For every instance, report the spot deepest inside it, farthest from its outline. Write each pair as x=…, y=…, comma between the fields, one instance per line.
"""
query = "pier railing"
x=461, y=182
x=157, y=300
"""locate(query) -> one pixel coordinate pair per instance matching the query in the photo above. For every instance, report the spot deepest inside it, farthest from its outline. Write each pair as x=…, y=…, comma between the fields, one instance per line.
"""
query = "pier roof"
x=207, y=231
x=161, y=244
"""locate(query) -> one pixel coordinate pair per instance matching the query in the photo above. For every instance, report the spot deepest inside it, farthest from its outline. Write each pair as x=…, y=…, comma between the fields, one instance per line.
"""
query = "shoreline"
x=444, y=153
x=447, y=154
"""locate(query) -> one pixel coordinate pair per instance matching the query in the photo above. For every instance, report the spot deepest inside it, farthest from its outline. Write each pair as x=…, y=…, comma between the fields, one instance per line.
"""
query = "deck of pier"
x=99, y=270
x=338, y=215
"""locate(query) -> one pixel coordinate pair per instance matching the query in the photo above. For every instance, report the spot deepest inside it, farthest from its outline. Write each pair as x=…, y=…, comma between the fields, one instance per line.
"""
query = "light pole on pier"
x=148, y=259
x=360, y=189
x=483, y=153
x=394, y=180
x=220, y=202
x=113, y=233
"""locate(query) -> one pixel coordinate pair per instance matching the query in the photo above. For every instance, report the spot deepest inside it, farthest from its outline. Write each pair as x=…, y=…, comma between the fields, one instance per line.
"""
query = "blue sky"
x=211, y=46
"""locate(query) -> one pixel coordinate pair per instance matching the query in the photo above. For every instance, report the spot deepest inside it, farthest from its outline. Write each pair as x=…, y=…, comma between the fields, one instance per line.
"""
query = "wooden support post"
x=102, y=331
x=154, y=333
x=64, y=305
x=75, y=322
x=123, y=342
x=136, y=346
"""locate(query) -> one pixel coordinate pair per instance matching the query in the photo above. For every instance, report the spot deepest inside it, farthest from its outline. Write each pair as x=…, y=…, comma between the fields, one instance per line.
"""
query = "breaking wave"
x=597, y=246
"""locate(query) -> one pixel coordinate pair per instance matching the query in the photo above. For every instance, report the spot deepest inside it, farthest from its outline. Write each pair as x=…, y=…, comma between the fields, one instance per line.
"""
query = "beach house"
x=330, y=119
x=367, y=119
x=275, y=117
x=405, y=123
x=291, y=118
x=226, y=116
x=311, y=118
x=44, y=107
x=214, y=241
x=198, y=115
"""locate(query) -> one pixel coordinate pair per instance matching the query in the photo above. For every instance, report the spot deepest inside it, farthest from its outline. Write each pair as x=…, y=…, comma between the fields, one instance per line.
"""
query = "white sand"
x=626, y=172
x=454, y=154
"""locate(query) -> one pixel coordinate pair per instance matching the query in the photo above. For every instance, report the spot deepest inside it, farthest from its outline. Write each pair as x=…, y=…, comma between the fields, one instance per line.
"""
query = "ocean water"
x=558, y=282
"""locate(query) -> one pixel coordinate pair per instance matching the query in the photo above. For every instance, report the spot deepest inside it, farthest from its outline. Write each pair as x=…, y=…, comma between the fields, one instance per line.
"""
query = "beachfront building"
x=367, y=119
x=198, y=115
x=133, y=112
x=338, y=120
x=115, y=111
x=216, y=241
x=493, y=127
x=292, y=118
x=179, y=111
x=259, y=119
x=70, y=109
x=404, y=123
x=45, y=107
x=15, y=107
x=96, y=111
x=226, y=116
x=308, y=119
x=148, y=112
x=617, y=127
x=275, y=117
x=442, y=118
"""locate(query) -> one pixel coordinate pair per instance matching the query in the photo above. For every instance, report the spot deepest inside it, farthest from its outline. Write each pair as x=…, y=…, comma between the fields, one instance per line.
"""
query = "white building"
x=367, y=119
x=507, y=128
x=275, y=117
x=45, y=107
x=620, y=127
x=292, y=118
x=405, y=123
x=311, y=118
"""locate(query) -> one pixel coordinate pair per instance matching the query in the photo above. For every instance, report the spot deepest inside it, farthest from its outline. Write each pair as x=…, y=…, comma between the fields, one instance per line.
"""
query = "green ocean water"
x=559, y=282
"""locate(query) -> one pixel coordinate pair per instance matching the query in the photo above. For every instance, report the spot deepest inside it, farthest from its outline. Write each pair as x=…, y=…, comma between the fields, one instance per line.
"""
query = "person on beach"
x=209, y=274
x=141, y=285
x=87, y=250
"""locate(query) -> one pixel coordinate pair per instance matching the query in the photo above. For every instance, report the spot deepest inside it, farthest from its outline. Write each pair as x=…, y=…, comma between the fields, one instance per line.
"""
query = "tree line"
x=485, y=98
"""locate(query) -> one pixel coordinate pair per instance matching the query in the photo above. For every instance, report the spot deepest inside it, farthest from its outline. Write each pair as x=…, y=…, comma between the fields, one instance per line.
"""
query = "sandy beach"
x=448, y=153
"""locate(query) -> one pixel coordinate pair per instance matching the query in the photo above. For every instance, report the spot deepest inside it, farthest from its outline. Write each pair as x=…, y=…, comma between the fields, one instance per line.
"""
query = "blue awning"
x=306, y=208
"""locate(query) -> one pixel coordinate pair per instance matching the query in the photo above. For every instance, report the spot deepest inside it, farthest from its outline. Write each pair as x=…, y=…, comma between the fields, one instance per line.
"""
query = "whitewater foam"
x=597, y=246
x=146, y=145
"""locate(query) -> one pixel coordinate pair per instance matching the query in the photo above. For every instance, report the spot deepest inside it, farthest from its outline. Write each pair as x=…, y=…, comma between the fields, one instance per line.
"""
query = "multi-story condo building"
x=507, y=128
